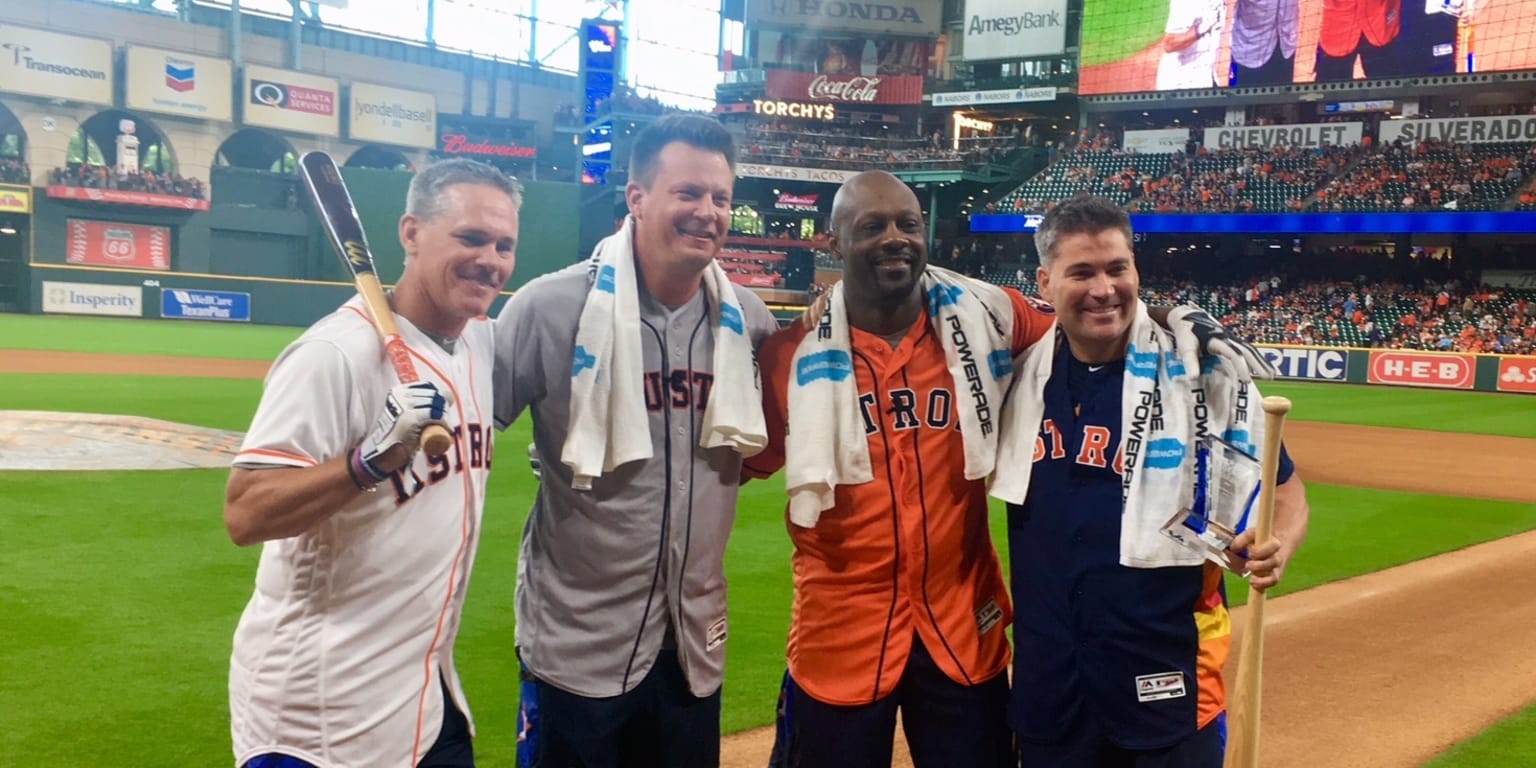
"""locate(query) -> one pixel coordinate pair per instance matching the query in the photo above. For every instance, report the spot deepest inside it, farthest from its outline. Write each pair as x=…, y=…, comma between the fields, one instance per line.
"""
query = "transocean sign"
x=900, y=17
x=1011, y=29
x=56, y=66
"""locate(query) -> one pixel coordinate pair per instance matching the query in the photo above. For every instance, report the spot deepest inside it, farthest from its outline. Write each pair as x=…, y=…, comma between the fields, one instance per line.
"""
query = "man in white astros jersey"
x=344, y=655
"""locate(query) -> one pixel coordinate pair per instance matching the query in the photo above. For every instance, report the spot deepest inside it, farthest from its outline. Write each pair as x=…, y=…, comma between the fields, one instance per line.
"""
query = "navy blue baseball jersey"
x=1140, y=650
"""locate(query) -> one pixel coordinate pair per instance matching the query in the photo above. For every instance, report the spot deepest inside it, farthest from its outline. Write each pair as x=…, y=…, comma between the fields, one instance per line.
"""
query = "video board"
x=1161, y=45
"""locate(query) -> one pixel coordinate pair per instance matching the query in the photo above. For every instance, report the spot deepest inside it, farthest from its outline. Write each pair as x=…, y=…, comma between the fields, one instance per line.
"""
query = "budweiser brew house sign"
x=845, y=89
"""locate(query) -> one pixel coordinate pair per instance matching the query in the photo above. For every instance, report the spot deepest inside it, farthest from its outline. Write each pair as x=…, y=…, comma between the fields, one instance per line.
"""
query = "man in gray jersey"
x=1264, y=34
x=621, y=599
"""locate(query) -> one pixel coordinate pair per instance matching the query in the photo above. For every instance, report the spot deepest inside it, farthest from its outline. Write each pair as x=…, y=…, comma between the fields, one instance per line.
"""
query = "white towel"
x=826, y=445
x=1158, y=477
x=608, y=424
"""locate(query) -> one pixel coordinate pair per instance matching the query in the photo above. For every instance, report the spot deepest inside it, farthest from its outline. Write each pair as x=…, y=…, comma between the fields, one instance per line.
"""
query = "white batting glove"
x=1196, y=334
x=408, y=409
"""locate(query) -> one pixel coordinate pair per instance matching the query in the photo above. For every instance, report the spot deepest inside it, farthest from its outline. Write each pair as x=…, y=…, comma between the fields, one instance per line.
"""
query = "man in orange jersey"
x=887, y=410
x=1363, y=28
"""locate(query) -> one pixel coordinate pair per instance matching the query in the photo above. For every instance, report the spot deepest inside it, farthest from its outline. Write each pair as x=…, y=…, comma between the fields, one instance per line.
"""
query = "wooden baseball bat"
x=339, y=218
x=1244, y=706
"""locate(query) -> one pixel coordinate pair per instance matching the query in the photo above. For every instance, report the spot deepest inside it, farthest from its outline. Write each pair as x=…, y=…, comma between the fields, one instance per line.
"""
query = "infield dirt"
x=1384, y=670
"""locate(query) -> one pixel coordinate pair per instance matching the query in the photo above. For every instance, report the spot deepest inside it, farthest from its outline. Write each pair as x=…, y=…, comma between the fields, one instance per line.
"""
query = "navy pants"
x=1085, y=746
x=946, y=723
x=659, y=723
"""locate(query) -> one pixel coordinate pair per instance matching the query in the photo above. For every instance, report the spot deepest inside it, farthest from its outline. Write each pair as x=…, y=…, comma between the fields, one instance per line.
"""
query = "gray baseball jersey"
x=602, y=573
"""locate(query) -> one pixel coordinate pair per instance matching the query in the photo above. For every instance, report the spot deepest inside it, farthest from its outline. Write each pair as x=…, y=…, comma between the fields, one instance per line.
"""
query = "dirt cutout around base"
x=1384, y=670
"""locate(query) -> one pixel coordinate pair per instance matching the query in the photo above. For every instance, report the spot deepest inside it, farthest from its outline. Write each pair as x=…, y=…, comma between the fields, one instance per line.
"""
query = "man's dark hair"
x=696, y=131
x=1079, y=215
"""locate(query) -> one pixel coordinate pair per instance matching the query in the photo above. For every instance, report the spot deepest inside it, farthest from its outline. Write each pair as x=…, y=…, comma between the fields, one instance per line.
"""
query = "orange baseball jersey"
x=909, y=552
x=1345, y=21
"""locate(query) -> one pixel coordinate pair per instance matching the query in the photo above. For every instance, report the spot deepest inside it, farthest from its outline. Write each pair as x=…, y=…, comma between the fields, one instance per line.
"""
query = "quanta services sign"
x=1423, y=369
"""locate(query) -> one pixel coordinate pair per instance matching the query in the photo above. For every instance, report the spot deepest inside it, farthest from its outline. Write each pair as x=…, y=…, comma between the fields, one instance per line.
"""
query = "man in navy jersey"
x=1113, y=665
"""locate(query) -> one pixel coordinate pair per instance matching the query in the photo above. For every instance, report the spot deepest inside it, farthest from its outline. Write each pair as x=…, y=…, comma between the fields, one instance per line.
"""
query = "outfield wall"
x=273, y=260
x=1405, y=367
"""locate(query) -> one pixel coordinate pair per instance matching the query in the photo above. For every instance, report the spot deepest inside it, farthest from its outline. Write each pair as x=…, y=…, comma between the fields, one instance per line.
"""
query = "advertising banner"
x=760, y=171
x=772, y=108
x=1461, y=130
x=1517, y=374
x=15, y=199
x=112, y=244
x=1422, y=369
x=1157, y=142
x=1524, y=279
x=754, y=279
x=793, y=202
x=855, y=89
x=93, y=299
x=127, y=197
x=178, y=83
x=1014, y=29
x=55, y=66
x=291, y=101
x=186, y=304
x=918, y=18
x=1306, y=136
x=1003, y=96
x=1303, y=363
x=393, y=116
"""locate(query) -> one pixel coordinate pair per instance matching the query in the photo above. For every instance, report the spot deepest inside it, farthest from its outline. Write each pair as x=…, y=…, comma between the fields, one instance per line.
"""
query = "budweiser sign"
x=854, y=89
x=460, y=144
x=862, y=90
x=790, y=202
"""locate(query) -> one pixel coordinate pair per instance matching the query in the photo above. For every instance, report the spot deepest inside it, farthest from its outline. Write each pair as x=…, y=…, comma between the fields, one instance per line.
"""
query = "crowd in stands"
x=1243, y=180
x=13, y=171
x=871, y=146
x=104, y=177
x=1429, y=175
x=1447, y=316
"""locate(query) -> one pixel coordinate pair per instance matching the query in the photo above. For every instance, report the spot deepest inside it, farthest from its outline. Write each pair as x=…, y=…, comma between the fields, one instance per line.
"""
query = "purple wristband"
x=359, y=468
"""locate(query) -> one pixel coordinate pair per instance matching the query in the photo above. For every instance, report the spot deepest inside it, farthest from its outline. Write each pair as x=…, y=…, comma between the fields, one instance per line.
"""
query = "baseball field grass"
x=121, y=590
x=1115, y=29
x=1510, y=742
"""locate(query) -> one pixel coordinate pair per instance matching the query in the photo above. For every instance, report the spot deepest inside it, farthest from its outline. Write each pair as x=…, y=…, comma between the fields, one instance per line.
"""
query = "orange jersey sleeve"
x=774, y=361
x=1032, y=318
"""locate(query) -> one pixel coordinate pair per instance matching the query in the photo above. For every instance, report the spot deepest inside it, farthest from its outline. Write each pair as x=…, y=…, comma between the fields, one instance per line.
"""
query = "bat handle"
x=436, y=439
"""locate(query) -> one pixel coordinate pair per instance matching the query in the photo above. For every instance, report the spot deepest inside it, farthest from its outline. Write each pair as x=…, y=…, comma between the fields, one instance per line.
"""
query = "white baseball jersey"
x=337, y=657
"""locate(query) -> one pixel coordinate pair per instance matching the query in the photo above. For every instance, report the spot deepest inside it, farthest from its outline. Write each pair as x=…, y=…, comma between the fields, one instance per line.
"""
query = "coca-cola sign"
x=845, y=89
x=460, y=144
x=857, y=89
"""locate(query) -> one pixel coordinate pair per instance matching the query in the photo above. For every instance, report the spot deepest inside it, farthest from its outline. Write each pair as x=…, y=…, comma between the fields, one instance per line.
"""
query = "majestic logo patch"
x=1169, y=685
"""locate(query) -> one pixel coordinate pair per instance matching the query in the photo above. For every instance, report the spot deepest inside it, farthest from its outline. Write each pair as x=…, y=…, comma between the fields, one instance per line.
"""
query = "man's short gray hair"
x=1080, y=215
x=424, y=200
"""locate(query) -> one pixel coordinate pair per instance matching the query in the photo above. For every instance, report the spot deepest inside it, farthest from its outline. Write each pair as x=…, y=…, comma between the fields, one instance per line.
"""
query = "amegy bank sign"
x=1306, y=136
